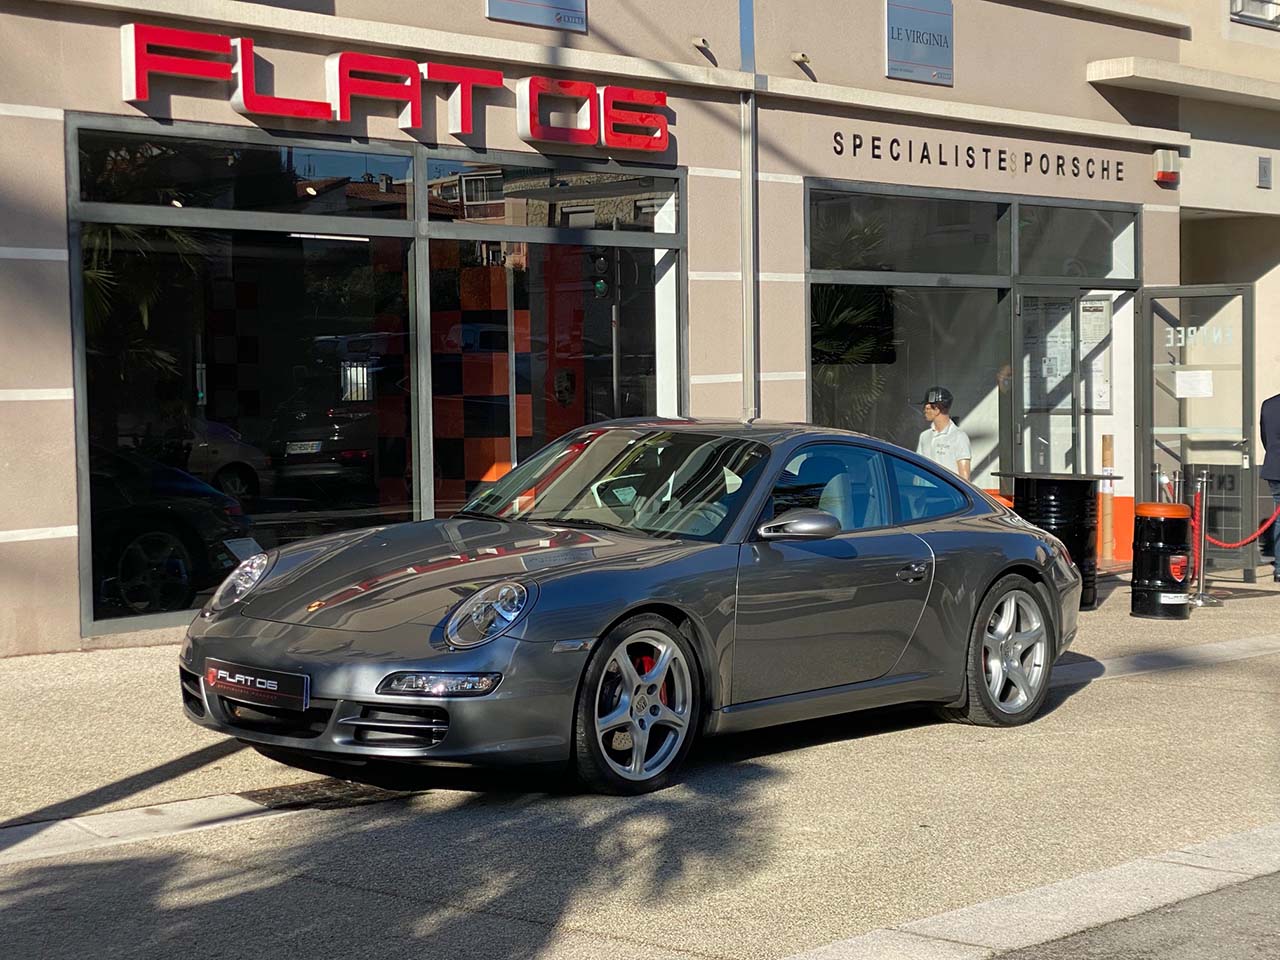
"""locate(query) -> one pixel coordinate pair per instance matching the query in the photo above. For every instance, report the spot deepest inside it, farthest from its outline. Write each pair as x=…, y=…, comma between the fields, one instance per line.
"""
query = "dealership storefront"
x=317, y=282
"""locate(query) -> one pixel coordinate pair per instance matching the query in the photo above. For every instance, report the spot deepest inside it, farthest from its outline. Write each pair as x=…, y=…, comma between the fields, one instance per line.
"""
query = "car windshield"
x=643, y=479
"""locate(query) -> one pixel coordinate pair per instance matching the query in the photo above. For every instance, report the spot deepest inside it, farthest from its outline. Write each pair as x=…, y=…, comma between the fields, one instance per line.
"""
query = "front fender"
x=697, y=586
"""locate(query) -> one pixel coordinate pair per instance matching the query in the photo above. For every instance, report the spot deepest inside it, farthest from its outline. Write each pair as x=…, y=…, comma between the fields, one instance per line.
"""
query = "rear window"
x=923, y=495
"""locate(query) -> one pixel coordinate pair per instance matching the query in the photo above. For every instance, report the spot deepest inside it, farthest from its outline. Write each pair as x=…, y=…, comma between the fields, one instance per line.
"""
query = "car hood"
x=415, y=572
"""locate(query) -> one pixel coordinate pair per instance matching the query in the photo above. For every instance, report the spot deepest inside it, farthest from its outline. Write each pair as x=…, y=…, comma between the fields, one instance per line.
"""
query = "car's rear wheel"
x=1010, y=656
x=237, y=480
x=154, y=572
x=638, y=707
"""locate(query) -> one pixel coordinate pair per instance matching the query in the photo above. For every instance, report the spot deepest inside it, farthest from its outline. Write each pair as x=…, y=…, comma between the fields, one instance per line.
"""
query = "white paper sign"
x=243, y=548
x=1095, y=352
x=1188, y=384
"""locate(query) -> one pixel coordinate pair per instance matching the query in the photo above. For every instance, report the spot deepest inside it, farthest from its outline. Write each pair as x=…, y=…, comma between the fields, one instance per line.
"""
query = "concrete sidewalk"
x=91, y=732
x=104, y=730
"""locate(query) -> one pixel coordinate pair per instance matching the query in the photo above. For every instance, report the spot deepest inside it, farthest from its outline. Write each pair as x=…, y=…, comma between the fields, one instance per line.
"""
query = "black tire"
x=980, y=707
x=593, y=767
x=154, y=591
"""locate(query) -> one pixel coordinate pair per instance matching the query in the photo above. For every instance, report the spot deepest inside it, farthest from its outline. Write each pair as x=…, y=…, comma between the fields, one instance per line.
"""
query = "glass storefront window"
x=244, y=390
x=1076, y=242
x=475, y=192
x=525, y=347
x=213, y=174
x=850, y=231
x=876, y=350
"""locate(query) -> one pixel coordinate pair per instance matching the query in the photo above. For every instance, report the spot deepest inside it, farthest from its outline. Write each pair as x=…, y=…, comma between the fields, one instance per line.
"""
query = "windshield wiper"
x=582, y=523
x=474, y=515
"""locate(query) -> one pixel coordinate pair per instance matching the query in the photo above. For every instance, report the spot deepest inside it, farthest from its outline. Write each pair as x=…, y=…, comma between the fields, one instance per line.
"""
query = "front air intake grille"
x=191, y=698
x=302, y=724
x=399, y=726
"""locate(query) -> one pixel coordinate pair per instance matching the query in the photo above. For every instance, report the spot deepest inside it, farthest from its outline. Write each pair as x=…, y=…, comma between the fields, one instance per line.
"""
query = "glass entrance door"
x=1047, y=404
x=1199, y=409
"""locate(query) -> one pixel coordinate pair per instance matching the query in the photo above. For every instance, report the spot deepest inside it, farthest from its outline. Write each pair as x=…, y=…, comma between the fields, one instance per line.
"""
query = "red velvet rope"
x=1197, y=519
x=1195, y=537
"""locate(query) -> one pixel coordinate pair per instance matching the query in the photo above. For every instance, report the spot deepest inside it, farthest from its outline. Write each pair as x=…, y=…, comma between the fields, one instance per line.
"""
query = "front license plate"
x=270, y=688
x=303, y=446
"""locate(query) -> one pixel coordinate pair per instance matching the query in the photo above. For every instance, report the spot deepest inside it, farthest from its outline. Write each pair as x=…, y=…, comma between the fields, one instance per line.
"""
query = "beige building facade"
x=270, y=271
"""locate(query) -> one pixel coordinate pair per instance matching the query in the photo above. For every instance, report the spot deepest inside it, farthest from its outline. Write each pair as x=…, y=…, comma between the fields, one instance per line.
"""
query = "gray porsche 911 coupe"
x=631, y=586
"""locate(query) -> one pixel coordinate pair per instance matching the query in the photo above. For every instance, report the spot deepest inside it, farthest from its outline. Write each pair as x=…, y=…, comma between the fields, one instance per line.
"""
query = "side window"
x=844, y=480
x=922, y=495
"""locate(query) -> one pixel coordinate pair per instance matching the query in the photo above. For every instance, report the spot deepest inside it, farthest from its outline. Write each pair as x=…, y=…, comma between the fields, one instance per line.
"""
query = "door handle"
x=913, y=572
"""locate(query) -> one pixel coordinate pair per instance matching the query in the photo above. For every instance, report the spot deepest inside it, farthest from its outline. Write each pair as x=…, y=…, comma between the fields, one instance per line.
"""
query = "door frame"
x=1074, y=292
x=1144, y=401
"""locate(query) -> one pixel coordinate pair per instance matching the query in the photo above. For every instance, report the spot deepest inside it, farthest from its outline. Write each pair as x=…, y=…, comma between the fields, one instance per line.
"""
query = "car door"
x=814, y=614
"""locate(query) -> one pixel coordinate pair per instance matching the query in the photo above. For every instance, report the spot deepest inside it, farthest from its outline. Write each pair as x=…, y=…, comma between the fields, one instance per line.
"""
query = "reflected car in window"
x=630, y=587
x=160, y=536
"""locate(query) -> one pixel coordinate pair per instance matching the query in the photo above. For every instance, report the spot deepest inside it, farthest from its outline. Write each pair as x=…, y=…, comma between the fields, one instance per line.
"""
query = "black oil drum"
x=1066, y=507
x=1161, y=561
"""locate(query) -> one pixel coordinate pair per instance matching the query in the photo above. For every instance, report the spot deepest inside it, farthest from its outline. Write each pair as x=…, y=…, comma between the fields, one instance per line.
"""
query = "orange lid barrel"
x=1163, y=511
x=1161, y=585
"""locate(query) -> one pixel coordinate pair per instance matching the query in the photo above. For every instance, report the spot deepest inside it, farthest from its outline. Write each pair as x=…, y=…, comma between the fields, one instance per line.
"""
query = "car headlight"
x=488, y=614
x=242, y=579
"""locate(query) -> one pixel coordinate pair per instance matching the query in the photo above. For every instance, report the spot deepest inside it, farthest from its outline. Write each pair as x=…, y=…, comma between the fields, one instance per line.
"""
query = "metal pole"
x=1202, y=598
x=1106, y=522
x=615, y=320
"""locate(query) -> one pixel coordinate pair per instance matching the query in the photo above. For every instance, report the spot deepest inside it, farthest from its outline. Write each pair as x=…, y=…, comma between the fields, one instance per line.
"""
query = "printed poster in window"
x=1095, y=353
x=1046, y=353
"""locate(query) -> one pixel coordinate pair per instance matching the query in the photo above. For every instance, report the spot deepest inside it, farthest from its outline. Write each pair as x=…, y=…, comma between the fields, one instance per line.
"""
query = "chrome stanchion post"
x=1201, y=598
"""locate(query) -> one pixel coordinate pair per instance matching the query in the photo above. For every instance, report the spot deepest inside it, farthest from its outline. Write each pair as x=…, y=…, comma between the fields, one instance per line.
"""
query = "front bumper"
x=528, y=718
x=1070, y=590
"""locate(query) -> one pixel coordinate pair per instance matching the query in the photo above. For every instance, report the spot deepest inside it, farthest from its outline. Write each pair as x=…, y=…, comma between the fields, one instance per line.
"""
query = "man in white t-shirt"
x=943, y=442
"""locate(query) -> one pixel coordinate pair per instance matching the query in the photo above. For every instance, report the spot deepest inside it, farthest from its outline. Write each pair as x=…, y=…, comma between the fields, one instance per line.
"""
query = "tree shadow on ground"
x=506, y=872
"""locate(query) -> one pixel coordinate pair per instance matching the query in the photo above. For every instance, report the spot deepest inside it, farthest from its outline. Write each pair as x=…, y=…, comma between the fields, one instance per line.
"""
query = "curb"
x=34, y=841
x=1070, y=906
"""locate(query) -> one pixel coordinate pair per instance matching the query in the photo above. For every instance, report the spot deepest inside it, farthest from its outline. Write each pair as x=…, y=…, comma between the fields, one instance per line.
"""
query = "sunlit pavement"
x=773, y=844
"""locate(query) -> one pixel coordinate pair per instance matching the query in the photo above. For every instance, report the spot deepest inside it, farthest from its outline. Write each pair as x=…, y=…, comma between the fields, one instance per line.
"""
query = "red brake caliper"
x=644, y=665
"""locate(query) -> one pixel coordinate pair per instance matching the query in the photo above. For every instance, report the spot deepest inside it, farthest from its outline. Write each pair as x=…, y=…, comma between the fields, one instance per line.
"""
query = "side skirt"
x=811, y=704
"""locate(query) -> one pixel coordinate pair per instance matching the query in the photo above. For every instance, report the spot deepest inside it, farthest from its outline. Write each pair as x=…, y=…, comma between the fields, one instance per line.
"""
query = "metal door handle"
x=913, y=572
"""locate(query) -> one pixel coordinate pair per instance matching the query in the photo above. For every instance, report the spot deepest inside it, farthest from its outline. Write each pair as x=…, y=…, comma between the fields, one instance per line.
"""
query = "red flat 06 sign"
x=620, y=118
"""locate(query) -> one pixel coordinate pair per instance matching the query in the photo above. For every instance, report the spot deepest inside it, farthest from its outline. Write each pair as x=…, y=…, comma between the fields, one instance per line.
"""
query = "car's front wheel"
x=638, y=707
x=1011, y=651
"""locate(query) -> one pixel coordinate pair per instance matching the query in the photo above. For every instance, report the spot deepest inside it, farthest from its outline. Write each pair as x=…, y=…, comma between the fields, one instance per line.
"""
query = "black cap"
x=938, y=395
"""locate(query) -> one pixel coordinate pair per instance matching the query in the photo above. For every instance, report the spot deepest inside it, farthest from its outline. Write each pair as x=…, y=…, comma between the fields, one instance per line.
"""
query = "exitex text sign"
x=619, y=118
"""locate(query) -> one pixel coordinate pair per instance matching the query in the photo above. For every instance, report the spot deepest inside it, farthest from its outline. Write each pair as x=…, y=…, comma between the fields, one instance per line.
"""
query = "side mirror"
x=801, y=524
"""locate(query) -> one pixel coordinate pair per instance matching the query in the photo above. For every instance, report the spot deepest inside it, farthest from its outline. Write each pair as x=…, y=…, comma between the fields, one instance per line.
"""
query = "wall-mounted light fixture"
x=1167, y=167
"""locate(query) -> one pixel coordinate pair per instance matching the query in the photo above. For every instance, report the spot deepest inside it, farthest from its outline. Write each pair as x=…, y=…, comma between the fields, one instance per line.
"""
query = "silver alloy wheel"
x=643, y=704
x=1015, y=652
x=233, y=483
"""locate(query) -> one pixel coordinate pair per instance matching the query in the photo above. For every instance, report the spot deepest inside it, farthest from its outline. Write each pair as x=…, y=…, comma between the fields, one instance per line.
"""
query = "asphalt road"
x=772, y=845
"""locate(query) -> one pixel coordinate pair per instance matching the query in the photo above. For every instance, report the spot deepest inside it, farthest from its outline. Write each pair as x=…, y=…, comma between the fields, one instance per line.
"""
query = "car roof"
x=771, y=432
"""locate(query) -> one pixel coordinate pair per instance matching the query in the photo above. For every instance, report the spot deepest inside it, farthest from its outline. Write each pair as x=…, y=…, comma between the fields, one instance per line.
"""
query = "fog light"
x=441, y=684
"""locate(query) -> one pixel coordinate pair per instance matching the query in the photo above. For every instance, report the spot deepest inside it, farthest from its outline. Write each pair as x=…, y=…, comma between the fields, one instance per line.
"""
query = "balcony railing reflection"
x=1261, y=13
